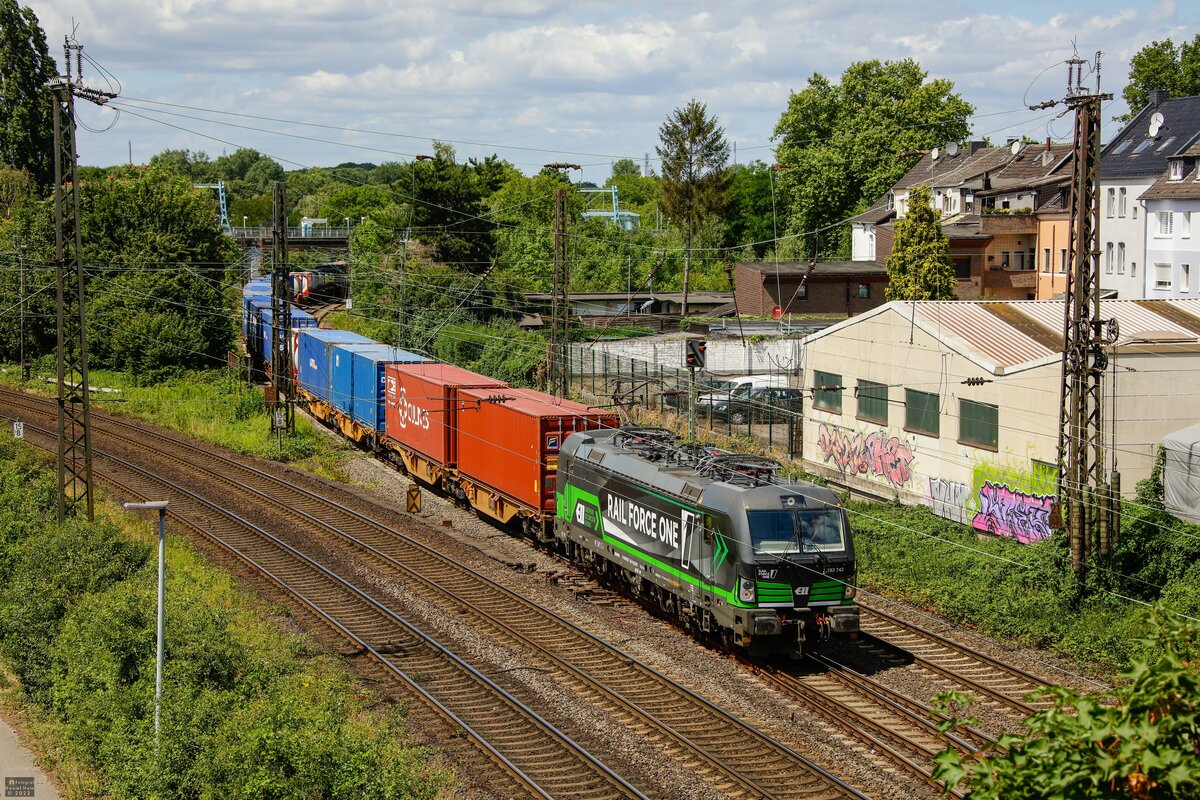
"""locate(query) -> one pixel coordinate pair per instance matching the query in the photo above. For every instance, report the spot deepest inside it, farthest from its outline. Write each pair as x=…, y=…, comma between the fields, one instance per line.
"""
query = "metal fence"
x=605, y=379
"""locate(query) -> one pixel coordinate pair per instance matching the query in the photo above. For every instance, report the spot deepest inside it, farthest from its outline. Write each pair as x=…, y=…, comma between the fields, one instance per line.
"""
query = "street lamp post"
x=244, y=218
x=161, y=507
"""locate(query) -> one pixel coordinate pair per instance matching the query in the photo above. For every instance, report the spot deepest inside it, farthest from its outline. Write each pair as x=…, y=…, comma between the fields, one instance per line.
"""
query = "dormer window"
x=891, y=201
x=1175, y=170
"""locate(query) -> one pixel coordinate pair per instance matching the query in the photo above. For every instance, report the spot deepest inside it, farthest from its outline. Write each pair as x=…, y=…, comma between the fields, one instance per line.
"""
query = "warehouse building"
x=956, y=404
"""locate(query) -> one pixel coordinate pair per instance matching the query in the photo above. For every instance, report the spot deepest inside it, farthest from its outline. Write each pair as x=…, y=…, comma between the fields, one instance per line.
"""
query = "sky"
x=540, y=81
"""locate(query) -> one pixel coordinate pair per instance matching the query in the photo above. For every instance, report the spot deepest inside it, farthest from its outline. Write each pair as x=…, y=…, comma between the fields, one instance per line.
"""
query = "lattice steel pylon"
x=560, y=308
x=1083, y=485
x=282, y=373
x=74, y=398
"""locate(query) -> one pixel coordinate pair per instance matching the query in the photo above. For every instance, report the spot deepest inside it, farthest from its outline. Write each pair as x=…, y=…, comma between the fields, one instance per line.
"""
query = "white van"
x=740, y=386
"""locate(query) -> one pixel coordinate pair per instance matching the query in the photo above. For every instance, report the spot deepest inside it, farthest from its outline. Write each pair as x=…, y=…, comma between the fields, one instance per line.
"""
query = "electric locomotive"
x=718, y=540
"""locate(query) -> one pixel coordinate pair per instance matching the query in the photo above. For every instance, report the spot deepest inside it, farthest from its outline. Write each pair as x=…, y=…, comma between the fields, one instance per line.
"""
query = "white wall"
x=722, y=356
x=1010, y=488
x=1181, y=247
x=862, y=241
x=1130, y=229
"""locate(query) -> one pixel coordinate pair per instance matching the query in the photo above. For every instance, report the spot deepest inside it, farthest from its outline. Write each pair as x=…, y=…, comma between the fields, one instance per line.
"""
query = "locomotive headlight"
x=745, y=590
x=851, y=591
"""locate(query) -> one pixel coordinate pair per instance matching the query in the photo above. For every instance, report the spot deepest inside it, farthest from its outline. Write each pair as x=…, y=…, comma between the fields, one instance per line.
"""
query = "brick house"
x=842, y=288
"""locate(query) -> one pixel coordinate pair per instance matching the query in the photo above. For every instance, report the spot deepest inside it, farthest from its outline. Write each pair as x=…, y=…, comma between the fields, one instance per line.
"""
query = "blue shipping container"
x=300, y=320
x=358, y=380
x=314, y=359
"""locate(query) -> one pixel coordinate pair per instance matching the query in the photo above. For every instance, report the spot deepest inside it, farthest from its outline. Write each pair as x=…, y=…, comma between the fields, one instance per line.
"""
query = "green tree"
x=919, y=267
x=694, y=155
x=1162, y=65
x=625, y=166
x=26, y=118
x=840, y=143
x=1143, y=746
x=156, y=269
x=751, y=219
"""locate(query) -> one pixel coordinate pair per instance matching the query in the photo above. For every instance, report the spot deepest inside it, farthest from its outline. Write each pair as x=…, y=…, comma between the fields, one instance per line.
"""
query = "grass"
x=215, y=406
x=250, y=709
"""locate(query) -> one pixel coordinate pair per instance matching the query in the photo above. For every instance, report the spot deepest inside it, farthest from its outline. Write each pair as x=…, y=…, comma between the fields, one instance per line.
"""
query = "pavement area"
x=21, y=778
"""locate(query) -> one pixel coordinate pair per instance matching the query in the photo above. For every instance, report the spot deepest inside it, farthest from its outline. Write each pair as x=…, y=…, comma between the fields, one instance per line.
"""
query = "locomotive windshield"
x=793, y=531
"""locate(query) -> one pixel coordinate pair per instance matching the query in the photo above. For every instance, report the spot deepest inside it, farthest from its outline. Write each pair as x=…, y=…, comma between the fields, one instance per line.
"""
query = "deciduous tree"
x=1162, y=65
x=842, y=143
x=26, y=123
x=920, y=267
x=695, y=180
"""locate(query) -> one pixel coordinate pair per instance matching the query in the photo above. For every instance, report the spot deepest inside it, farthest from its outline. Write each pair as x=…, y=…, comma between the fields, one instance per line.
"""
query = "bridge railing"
x=308, y=232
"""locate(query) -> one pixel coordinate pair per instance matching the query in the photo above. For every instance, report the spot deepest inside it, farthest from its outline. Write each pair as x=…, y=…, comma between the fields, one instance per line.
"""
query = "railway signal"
x=695, y=353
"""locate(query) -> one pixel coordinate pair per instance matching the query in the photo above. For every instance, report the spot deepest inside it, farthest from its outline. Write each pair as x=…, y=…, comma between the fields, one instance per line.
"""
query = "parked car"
x=759, y=405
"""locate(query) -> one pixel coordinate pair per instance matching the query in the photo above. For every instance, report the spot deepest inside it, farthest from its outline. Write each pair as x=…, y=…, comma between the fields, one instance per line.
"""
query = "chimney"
x=1047, y=144
x=1159, y=96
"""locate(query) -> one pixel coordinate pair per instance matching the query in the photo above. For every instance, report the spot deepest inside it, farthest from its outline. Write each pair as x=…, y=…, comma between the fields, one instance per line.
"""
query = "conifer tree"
x=920, y=267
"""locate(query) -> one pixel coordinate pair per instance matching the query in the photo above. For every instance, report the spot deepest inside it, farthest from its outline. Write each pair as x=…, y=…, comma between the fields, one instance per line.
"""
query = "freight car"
x=716, y=539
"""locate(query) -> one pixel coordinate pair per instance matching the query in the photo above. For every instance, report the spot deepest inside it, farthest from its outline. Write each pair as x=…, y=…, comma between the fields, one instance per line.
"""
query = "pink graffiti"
x=1011, y=512
x=874, y=454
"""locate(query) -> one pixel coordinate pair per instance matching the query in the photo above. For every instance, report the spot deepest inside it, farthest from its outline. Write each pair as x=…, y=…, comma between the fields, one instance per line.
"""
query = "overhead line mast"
x=74, y=400
x=1084, y=489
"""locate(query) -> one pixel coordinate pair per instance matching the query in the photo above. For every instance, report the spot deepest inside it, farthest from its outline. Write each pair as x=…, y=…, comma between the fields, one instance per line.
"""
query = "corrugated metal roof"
x=986, y=333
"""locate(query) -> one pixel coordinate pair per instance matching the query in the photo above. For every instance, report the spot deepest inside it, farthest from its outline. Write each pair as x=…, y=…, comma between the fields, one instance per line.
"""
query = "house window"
x=1185, y=277
x=873, y=402
x=801, y=292
x=891, y=201
x=1121, y=202
x=921, y=412
x=1004, y=260
x=1108, y=251
x=1135, y=210
x=1176, y=170
x=1166, y=223
x=827, y=399
x=1185, y=230
x=1162, y=276
x=864, y=291
x=978, y=424
x=1062, y=260
x=1120, y=258
x=1046, y=260
x=1112, y=202
x=1133, y=269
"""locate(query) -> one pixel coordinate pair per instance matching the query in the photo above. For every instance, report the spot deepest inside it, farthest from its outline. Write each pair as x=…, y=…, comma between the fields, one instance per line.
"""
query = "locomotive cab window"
x=790, y=532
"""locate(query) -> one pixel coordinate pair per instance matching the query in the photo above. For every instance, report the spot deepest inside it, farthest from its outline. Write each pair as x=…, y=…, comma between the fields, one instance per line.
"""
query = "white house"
x=1129, y=165
x=1172, y=208
x=956, y=404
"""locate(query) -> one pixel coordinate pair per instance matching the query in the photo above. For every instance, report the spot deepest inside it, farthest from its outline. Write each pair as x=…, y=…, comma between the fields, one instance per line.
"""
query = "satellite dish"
x=1016, y=147
x=934, y=154
x=952, y=149
x=1156, y=123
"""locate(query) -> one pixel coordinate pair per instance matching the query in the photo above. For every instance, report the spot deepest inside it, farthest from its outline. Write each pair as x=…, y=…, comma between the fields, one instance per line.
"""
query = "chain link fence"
x=640, y=388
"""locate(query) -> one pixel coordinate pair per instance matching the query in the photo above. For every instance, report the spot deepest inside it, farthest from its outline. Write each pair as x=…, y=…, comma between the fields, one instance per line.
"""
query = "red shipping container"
x=421, y=406
x=508, y=441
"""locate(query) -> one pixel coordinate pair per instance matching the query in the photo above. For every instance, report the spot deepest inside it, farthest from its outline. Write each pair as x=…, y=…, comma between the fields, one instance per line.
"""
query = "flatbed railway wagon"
x=508, y=443
x=716, y=539
x=422, y=418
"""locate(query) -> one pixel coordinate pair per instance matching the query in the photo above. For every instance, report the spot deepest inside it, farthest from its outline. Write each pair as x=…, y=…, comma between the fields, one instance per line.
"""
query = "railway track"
x=727, y=753
x=530, y=753
x=981, y=675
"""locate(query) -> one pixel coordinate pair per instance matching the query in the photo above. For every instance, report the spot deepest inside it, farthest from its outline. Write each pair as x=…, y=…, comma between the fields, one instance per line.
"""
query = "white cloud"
x=575, y=76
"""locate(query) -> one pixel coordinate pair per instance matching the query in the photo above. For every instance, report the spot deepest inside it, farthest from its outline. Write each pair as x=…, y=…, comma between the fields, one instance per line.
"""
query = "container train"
x=719, y=541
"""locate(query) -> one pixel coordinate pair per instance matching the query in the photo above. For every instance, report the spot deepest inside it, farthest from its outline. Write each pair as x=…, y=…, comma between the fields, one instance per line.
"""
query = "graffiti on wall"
x=872, y=454
x=948, y=499
x=1013, y=502
x=1011, y=512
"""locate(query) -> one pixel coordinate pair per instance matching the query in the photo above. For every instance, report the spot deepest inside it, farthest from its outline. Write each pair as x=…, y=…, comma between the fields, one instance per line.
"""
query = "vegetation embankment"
x=248, y=710
x=216, y=406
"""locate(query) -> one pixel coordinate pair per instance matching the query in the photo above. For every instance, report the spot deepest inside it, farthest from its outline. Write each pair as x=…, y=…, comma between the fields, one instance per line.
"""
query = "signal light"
x=695, y=353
